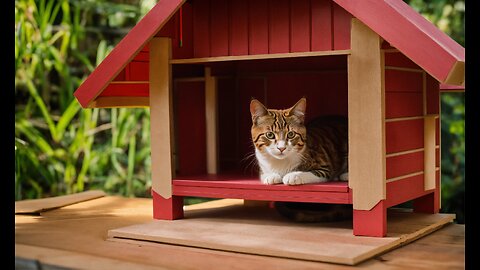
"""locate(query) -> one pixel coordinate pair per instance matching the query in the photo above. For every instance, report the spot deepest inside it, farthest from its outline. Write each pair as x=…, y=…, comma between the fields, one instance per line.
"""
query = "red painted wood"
x=433, y=95
x=238, y=33
x=399, y=60
x=321, y=37
x=142, y=56
x=139, y=71
x=239, y=181
x=126, y=90
x=437, y=131
x=404, y=135
x=403, y=104
x=186, y=50
x=167, y=209
x=190, y=127
x=403, y=81
x=448, y=87
x=219, y=28
x=399, y=24
x=169, y=29
x=201, y=28
x=279, y=26
x=300, y=26
x=258, y=27
x=429, y=203
x=404, y=190
x=262, y=195
x=121, y=76
x=371, y=222
x=341, y=28
x=437, y=157
x=126, y=49
x=404, y=164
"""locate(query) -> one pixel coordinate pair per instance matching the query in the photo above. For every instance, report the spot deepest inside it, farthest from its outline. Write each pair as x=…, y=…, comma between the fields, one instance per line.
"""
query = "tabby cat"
x=292, y=153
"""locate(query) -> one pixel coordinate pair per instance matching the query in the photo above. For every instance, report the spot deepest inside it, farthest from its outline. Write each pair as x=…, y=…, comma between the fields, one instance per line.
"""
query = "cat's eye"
x=270, y=135
x=291, y=135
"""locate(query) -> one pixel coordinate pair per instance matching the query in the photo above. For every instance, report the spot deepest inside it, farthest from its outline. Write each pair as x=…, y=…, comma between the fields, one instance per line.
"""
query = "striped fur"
x=288, y=151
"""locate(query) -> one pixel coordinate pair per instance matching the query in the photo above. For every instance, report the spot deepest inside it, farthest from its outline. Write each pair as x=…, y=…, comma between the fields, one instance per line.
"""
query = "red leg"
x=371, y=222
x=427, y=204
x=167, y=209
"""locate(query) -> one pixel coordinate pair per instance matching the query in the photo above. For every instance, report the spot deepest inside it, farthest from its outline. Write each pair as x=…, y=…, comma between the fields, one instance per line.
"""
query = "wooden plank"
x=396, y=135
x=433, y=96
x=429, y=145
x=404, y=190
x=403, y=104
x=366, y=86
x=219, y=31
x=404, y=164
x=322, y=35
x=398, y=59
x=46, y=204
x=161, y=124
x=258, y=27
x=211, y=120
x=262, y=195
x=126, y=89
x=138, y=71
x=403, y=81
x=279, y=26
x=341, y=28
x=120, y=102
x=257, y=57
x=238, y=33
x=201, y=28
x=300, y=23
x=126, y=50
x=267, y=237
x=185, y=24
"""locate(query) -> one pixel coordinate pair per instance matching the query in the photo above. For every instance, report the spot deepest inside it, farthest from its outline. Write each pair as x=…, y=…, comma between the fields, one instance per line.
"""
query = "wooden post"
x=429, y=152
x=211, y=121
x=366, y=124
x=161, y=131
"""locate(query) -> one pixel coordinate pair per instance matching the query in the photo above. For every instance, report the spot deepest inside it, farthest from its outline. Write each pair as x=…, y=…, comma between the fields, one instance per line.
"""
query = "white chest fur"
x=269, y=164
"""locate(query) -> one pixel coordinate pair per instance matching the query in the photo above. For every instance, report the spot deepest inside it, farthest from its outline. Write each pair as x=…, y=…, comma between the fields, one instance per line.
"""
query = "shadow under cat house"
x=197, y=66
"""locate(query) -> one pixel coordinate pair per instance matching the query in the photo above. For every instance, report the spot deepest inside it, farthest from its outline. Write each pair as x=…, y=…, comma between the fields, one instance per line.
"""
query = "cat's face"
x=278, y=133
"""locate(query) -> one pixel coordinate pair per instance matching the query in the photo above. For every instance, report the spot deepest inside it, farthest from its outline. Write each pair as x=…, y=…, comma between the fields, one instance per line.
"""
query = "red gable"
x=396, y=22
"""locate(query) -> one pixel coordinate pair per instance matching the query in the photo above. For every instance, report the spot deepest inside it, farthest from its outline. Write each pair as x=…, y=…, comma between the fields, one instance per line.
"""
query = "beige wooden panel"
x=161, y=116
x=211, y=121
x=429, y=153
x=366, y=117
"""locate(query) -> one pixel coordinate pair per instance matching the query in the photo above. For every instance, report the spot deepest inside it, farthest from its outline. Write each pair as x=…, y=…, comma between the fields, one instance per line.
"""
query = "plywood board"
x=42, y=205
x=257, y=231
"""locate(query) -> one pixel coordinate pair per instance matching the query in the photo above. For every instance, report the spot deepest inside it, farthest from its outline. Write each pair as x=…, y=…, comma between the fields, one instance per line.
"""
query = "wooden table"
x=75, y=237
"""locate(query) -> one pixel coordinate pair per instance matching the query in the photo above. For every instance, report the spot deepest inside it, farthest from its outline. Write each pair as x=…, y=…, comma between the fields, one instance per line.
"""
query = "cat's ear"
x=257, y=109
x=299, y=109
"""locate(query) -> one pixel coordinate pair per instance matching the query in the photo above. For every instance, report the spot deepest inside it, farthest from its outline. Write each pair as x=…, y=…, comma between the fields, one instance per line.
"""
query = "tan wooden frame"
x=161, y=116
x=366, y=117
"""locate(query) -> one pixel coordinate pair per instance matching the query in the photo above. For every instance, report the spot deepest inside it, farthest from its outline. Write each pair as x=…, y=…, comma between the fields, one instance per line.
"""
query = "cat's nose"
x=281, y=149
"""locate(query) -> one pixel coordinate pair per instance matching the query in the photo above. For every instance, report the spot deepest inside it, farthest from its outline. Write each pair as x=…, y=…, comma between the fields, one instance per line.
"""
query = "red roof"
x=396, y=22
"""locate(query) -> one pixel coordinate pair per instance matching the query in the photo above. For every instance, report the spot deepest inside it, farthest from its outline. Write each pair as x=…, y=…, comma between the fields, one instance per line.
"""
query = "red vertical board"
x=403, y=81
x=139, y=71
x=371, y=222
x=300, y=26
x=201, y=28
x=341, y=28
x=279, y=26
x=238, y=32
x=397, y=59
x=190, y=130
x=258, y=27
x=218, y=27
x=433, y=95
x=321, y=36
x=404, y=135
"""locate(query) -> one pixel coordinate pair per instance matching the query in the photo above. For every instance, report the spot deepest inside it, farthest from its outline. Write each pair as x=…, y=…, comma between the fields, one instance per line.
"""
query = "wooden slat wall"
x=267, y=26
x=411, y=96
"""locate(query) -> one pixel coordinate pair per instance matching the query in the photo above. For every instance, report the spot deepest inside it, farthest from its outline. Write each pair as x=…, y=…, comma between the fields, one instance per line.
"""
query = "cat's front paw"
x=271, y=178
x=343, y=176
x=300, y=178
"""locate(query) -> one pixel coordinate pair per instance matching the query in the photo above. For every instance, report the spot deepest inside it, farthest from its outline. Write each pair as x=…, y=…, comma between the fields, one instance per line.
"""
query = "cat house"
x=197, y=64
